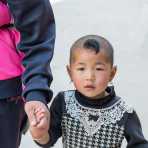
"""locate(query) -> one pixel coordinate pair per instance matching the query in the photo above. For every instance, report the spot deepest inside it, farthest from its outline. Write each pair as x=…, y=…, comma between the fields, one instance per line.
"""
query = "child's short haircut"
x=94, y=43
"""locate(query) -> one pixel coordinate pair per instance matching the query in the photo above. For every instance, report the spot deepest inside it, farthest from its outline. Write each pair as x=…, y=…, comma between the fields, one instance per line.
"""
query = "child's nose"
x=90, y=76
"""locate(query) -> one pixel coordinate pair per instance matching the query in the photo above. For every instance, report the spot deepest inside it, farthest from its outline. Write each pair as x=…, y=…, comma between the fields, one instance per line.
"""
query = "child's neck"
x=102, y=95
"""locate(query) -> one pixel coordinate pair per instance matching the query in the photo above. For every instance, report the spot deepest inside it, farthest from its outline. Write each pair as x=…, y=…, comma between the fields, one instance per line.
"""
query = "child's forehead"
x=89, y=51
x=88, y=54
x=94, y=45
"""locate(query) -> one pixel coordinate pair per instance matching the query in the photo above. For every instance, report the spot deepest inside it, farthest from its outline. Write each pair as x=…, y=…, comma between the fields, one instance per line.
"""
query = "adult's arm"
x=34, y=19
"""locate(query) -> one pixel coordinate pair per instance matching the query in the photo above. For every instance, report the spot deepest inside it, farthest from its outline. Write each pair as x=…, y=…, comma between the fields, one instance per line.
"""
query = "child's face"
x=91, y=72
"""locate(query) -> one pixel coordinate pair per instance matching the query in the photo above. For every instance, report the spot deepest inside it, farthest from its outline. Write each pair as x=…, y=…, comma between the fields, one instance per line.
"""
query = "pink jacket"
x=10, y=58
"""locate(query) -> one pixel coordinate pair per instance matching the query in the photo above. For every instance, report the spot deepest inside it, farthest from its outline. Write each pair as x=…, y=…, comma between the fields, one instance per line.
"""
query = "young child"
x=91, y=115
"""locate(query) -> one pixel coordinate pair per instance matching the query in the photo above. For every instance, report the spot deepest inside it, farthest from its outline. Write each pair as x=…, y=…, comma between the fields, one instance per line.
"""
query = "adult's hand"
x=31, y=109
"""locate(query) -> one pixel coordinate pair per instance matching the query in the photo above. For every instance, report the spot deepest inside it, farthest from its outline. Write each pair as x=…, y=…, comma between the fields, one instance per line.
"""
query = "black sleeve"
x=34, y=19
x=133, y=132
x=56, y=111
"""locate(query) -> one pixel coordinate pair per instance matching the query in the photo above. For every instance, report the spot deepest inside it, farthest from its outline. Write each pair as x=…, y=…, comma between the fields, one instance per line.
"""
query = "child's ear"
x=113, y=72
x=69, y=71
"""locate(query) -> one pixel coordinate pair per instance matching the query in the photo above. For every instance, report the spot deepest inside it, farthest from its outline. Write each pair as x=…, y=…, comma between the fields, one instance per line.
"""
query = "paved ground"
x=124, y=23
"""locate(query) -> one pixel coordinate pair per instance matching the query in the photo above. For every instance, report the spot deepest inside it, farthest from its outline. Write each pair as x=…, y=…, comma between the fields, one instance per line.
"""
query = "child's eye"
x=99, y=69
x=81, y=69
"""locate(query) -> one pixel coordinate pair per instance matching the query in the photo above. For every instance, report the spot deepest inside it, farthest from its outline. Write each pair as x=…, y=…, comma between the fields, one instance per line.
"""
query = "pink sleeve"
x=5, y=16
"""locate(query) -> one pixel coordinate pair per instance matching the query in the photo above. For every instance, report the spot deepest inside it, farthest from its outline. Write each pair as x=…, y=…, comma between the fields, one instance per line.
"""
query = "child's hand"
x=39, y=134
x=31, y=107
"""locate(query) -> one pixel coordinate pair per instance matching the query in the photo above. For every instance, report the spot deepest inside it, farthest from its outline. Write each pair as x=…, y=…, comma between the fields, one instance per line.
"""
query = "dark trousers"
x=12, y=120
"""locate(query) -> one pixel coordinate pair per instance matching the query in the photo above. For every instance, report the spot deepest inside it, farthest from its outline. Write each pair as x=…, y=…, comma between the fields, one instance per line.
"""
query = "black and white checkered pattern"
x=75, y=136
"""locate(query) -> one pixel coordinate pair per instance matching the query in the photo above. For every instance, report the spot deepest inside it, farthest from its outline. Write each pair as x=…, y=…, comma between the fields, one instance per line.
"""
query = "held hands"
x=38, y=115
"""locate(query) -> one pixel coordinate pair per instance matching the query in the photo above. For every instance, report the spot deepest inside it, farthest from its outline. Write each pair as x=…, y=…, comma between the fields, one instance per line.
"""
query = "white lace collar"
x=103, y=116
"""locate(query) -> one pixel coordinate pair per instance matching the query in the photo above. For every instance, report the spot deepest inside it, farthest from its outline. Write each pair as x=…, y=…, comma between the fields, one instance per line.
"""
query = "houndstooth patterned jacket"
x=84, y=127
x=83, y=124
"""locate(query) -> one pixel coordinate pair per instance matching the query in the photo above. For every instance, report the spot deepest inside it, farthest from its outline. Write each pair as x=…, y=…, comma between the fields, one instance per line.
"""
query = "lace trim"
x=91, y=118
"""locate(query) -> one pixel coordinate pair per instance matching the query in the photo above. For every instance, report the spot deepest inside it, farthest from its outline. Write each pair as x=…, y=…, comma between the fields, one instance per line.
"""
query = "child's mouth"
x=89, y=87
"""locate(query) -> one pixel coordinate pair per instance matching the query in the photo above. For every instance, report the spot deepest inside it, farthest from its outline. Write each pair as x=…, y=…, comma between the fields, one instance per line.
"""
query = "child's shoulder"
x=66, y=93
x=59, y=99
x=62, y=94
x=123, y=105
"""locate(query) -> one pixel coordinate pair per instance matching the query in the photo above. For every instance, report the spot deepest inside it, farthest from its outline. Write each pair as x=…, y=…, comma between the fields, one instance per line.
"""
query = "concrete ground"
x=125, y=24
